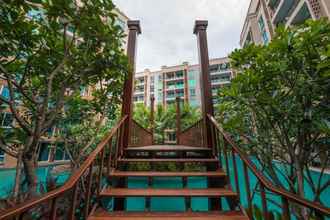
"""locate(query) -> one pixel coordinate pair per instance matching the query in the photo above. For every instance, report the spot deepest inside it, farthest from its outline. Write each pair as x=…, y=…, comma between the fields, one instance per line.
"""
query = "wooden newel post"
x=178, y=120
x=205, y=81
x=152, y=118
x=127, y=106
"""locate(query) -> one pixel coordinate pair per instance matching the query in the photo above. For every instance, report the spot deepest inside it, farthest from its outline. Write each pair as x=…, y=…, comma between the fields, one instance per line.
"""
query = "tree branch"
x=7, y=149
x=24, y=125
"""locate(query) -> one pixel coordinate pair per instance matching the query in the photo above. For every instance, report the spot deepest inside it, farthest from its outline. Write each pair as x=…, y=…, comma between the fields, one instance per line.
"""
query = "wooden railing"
x=192, y=136
x=140, y=136
x=74, y=200
x=229, y=148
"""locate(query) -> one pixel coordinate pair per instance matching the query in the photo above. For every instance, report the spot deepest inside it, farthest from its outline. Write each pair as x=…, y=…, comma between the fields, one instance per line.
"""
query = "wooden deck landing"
x=161, y=148
x=230, y=215
x=117, y=173
x=210, y=192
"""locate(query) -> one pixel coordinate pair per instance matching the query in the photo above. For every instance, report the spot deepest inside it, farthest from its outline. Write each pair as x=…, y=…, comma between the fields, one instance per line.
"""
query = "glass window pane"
x=2, y=156
x=59, y=155
x=44, y=152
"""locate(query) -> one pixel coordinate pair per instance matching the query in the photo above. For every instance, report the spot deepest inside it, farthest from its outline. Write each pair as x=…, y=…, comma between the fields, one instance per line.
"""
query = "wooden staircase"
x=209, y=167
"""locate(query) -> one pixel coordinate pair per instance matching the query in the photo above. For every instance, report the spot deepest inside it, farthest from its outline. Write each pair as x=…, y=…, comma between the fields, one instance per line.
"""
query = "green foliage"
x=165, y=118
x=280, y=102
x=49, y=52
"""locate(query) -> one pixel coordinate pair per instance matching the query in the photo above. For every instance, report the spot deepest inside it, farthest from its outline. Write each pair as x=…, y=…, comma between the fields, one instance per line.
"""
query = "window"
x=6, y=119
x=192, y=92
x=44, y=152
x=50, y=132
x=60, y=153
x=71, y=28
x=193, y=102
x=2, y=156
x=35, y=14
x=192, y=83
x=249, y=38
x=263, y=31
x=171, y=136
x=213, y=68
x=5, y=92
x=121, y=24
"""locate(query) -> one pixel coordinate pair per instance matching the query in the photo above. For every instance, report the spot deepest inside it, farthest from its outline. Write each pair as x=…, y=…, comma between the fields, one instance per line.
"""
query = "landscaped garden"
x=63, y=70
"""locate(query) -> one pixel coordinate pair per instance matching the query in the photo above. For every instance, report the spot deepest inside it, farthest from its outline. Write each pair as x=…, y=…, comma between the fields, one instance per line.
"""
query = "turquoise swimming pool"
x=172, y=204
x=7, y=179
x=201, y=204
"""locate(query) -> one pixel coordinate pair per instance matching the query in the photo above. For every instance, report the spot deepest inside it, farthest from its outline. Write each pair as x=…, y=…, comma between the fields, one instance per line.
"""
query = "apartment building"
x=264, y=16
x=51, y=150
x=179, y=81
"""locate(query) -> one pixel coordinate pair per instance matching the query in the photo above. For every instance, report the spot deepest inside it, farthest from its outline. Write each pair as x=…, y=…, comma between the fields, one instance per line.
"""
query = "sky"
x=167, y=29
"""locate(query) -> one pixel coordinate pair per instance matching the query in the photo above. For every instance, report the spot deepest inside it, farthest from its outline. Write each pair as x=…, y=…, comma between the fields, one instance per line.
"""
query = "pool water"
x=7, y=179
x=201, y=204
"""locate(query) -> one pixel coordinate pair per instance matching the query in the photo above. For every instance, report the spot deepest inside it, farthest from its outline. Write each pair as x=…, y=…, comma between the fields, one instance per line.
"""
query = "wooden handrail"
x=70, y=184
x=265, y=182
x=193, y=125
x=140, y=126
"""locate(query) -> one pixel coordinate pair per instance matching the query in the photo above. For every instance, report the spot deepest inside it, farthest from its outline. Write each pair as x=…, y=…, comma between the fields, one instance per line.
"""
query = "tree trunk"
x=18, y=176
x=300, y=179
x=30, y=173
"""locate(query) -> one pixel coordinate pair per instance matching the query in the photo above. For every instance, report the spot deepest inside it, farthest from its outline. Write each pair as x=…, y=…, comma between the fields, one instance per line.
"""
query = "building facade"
x=179, y=81
x=265, y=15
x=50, y=150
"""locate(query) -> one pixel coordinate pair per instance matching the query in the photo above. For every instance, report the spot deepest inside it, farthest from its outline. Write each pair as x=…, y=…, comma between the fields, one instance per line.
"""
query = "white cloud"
x=167, y=26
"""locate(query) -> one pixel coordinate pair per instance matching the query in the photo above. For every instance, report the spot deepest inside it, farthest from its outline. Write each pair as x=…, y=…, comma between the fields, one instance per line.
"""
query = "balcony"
x=273, y=4
x=220, y=81
x=175, y=87
x=299, y=14
x=139, y=92
x=284, y=10
x=173, y=96
x=138, y=83
x=173, y=79
x=220, y=72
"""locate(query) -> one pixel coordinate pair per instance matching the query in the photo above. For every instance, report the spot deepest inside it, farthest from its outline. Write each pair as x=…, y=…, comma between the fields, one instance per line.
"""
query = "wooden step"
x=167, y=148
x=117, y=173
x=230, y=215
x=149, y=192
x=177, y=160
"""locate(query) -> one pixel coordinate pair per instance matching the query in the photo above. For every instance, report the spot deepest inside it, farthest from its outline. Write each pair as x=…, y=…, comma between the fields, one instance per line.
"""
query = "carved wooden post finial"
x=205, y=81
x=127, y=105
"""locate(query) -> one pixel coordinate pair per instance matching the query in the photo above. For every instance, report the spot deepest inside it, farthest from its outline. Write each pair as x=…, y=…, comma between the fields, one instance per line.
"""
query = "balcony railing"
x=220, y=81
x=175, y=87
x=284, y=10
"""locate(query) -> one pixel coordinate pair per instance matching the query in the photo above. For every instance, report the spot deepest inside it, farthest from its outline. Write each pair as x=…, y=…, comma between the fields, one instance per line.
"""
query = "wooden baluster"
x=99, y=188
x=20, y=216
x=53, y=209
x=116, y=150
x=74, y=202
x=110, y=156
x=121, y=141
x=264, y=202
x=286, y=209
x=217, y=142
x=226, y=158
x=212, y=137
x=88, y=190
x=247, y=189
x=319, y=215
x=236, y=173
